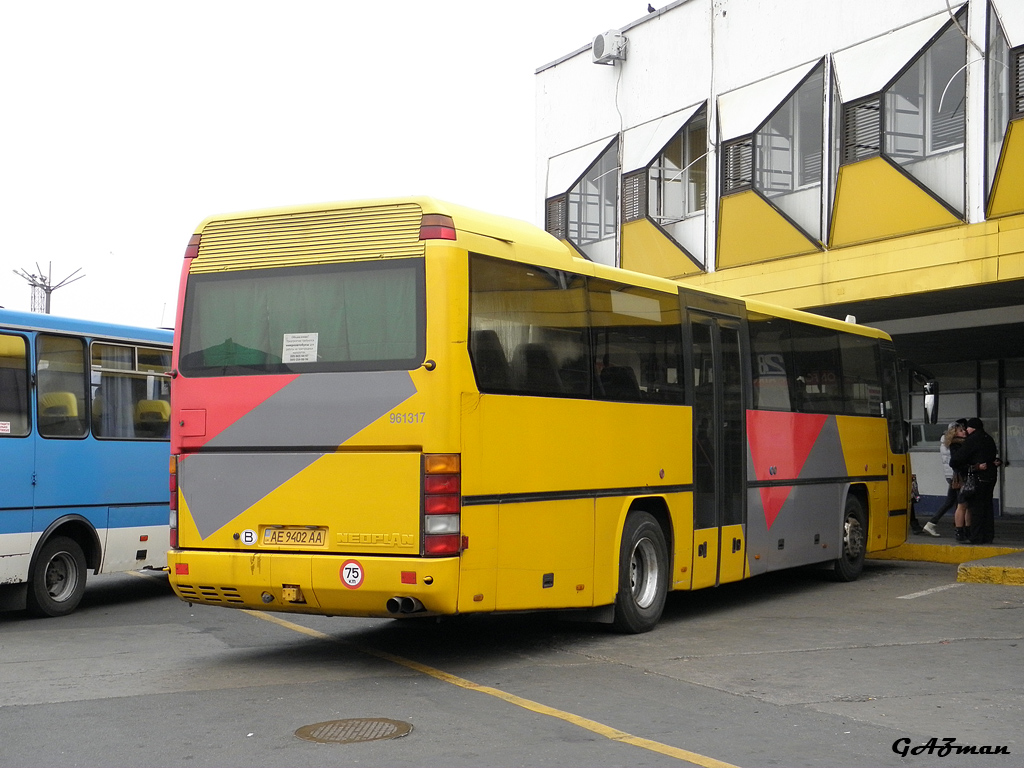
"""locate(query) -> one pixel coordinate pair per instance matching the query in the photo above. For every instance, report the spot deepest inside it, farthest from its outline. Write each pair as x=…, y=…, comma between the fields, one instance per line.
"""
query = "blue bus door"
x=67, y=472
x=17, y=474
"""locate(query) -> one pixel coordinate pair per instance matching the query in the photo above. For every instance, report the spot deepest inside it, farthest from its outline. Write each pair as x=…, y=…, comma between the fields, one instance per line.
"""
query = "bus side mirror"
x=931, y=401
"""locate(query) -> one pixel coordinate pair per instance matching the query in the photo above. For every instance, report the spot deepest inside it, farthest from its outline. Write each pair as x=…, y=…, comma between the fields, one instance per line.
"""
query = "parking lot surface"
x=787, y=669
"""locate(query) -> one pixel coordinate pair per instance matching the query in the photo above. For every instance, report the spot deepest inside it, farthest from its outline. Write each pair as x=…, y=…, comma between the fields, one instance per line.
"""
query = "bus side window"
x=489, y=362
x=152, y=418
x=535, y=370
x=13, y=386
x=771, y=348
x=61, y=382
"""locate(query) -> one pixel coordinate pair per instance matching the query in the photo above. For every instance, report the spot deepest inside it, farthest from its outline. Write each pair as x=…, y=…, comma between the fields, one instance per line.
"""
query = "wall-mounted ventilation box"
x=609, y=48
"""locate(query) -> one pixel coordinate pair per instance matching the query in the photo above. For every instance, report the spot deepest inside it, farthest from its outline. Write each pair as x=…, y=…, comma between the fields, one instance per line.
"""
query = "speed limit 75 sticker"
x=352, y=574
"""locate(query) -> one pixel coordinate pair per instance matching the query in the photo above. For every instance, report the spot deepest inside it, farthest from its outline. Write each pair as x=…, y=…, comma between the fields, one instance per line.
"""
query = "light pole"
x=42, y=285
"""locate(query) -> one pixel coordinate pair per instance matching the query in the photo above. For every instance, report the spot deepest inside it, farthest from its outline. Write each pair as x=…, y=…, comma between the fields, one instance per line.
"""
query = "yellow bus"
x=405, y=408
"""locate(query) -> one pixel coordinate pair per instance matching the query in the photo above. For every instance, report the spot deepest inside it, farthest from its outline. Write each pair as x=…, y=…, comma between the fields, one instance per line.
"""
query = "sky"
x=125, y=124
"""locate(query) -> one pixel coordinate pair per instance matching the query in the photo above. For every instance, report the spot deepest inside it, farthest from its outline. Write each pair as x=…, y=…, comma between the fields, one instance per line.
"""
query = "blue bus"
x=84, y=417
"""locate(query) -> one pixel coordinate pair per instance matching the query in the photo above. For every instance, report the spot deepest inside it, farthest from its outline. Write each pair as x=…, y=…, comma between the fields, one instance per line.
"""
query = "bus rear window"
x=359, y=316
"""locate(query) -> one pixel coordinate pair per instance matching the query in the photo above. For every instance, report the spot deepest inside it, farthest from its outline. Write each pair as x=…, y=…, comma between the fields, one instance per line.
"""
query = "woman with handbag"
x=950, y=442
x=977, y=460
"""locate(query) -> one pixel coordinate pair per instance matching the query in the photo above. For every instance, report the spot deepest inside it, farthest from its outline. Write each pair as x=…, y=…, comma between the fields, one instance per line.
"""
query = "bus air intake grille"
x=302, y=238
x=354, y=730
x=210, y=594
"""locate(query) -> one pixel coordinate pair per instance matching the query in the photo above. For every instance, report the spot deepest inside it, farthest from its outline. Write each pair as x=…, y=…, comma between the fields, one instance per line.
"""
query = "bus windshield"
x=355, y=316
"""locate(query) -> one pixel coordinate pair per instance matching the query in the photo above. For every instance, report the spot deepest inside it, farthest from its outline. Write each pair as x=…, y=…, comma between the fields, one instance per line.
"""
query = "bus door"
x=16, y=456
x=63, y=477
x=895, y=531
x=719, y=465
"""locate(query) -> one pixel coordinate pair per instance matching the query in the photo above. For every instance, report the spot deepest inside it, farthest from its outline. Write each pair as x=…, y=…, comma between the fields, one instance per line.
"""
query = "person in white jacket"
x=951, y=441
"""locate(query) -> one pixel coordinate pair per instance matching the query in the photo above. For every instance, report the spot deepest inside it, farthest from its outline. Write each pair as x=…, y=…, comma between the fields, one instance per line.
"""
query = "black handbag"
x=970, y=485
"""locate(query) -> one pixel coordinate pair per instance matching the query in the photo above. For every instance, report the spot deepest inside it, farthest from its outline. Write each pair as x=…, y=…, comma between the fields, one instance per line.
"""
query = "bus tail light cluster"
x=442, y=504
x=437, y=226
x=173, y=487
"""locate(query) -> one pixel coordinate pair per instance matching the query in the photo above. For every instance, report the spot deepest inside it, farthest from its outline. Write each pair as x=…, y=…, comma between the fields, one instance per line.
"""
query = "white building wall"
x=694, y=50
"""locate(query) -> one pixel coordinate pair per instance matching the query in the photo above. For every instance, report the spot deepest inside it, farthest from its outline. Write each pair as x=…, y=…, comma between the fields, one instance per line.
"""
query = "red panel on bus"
x=777, y=459
x=225, y=400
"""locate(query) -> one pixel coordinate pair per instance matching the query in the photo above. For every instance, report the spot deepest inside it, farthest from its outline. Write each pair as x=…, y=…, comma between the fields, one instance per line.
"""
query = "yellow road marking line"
x=591, y=725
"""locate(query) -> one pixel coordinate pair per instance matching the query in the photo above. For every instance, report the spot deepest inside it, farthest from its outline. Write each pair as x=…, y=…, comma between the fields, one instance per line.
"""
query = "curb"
x=981, y=564
x=1005, y=569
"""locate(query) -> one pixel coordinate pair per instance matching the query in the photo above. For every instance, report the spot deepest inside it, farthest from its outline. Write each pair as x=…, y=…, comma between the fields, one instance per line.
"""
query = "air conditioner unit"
x=609, y=48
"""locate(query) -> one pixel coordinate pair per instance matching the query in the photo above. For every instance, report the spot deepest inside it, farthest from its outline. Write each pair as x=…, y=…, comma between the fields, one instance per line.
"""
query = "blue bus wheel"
x=57, y=581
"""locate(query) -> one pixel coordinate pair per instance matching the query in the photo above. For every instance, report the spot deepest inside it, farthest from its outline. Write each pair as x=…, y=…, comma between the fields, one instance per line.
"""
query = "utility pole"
x=42, y=285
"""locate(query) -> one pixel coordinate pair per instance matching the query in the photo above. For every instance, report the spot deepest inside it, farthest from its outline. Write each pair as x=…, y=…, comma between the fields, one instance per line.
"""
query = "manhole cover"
x=356, y=729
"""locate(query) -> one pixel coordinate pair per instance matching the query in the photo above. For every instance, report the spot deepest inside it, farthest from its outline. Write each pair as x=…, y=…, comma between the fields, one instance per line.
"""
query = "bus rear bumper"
x=335, y=585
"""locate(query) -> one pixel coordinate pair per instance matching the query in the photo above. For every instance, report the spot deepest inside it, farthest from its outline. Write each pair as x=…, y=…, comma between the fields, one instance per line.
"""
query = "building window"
x=593, y=206
x=999, y=101
x=783, y=159
x=919, y=120
x=862, y=129
x=924, y=107
x=737, y=165
x=677, y=178
x=634, y=196
x=789, y=144
x=789, y=151
x=555, y=216
x=1017, y=55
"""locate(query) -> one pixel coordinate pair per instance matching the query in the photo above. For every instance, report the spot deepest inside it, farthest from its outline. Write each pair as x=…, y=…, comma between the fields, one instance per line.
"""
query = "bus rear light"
x=446, y=544
x=437, y=484
x=442, y=504
x=193, y=247
x=435, y=226
x=442, y=463
x=435, y=524
x=173, y=488
x=172, y=481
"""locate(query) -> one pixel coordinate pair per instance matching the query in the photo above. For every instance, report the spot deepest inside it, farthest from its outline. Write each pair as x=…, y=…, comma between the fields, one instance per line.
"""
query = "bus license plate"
x=295, y=536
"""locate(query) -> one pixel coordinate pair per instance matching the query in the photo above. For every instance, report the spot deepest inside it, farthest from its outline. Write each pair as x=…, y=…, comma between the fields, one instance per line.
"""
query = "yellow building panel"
x=647, y=249
x=1008, y=189
x=875, y=201
x=750, y=230
x=973, y=254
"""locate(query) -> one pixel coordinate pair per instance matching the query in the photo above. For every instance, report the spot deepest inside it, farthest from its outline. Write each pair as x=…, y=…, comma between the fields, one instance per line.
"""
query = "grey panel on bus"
x=821, y=516
x=315, y=410
x=826, y=457
x=220, y=486
x=318, y=409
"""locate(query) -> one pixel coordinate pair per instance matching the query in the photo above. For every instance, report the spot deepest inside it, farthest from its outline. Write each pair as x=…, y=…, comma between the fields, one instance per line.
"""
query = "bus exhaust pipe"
x=398, y=604
x=411, y=605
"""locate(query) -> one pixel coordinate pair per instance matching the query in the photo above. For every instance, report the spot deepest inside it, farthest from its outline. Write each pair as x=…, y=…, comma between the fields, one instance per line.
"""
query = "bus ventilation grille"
x=210, y=594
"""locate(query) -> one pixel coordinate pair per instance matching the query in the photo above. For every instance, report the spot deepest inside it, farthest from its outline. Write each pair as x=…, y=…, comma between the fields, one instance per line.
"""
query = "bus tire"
x=643, y=574
x=848, y=566
x=57, y=581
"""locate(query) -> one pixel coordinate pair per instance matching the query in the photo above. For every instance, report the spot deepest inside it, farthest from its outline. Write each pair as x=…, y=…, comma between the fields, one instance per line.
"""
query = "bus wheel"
x=849, y=565
x=57, y=581
x=643, y=574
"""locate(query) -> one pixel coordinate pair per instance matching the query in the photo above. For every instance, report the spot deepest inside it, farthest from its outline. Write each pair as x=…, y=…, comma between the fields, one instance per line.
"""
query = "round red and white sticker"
x=352, y=574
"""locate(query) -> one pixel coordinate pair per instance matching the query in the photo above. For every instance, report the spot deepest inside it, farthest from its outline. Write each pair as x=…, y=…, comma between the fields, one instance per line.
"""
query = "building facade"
x=847, y=158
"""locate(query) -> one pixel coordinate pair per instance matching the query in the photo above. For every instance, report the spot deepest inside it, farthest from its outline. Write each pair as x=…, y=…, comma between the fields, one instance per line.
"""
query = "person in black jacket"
x=980, y=455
